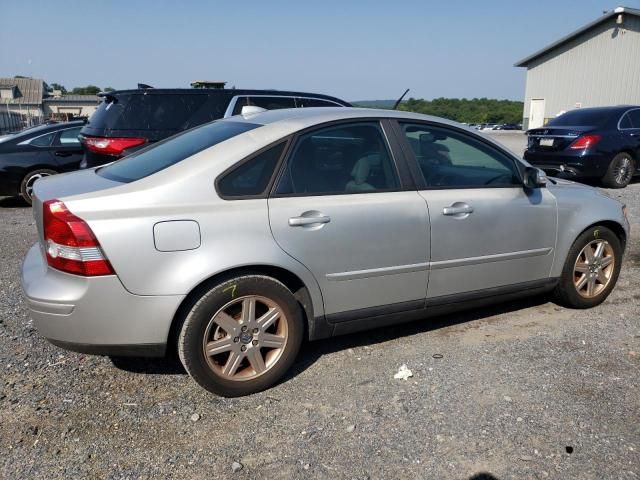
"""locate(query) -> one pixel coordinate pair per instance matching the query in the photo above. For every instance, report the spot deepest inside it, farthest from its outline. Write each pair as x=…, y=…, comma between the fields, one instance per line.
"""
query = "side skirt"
x=375, y=317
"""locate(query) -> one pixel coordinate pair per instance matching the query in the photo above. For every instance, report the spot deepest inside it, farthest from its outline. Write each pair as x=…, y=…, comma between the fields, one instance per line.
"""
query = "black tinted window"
x=634, y=117
x=69, y=137
x=252, y=177
x=451, y=159
x=341, y=159
x=577, y=118
x=172, y=150
x=140, y=111
x=268, y=103
x=43, y=141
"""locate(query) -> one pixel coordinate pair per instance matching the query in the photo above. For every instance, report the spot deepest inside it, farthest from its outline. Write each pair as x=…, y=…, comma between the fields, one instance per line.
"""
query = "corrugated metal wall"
x=599, y=67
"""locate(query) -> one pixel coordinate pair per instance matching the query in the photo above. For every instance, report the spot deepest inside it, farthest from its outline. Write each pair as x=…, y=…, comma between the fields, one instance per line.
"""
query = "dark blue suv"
x=599, y=143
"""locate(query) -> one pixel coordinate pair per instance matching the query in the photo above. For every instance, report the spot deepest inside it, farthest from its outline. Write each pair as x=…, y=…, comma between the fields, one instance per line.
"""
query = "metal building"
x=598, y=64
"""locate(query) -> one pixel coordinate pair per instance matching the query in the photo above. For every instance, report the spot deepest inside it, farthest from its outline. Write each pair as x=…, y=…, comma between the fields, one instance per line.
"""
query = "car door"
x=340, y=209
x=630, y=128
x=487, y=231
x=66, y=149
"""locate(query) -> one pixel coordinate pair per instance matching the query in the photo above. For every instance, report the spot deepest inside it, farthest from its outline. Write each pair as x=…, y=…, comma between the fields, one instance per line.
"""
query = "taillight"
x=585, y=141
x=111, y=146
x=71, y=246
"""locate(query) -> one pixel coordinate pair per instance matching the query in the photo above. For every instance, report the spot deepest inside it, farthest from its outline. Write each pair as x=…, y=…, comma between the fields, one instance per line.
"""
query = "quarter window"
x=341, y=159
x=450, y=159
x=251, y=177
x=634, y=117
x=625, y=122
x=43, y=141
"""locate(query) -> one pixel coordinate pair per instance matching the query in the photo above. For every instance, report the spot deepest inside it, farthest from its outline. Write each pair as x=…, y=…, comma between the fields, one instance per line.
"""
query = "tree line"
x=88, y=90
x=475, y=110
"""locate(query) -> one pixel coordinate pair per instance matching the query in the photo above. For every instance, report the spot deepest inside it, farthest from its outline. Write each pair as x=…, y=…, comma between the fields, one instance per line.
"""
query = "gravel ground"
x=523, y=390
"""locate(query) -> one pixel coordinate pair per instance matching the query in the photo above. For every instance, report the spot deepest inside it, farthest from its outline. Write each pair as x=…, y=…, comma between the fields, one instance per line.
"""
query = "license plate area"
x=546, y=142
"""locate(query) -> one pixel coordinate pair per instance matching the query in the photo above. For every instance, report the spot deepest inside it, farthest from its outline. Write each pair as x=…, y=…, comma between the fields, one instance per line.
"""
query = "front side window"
x=172, y=150
x=341, y=159
x=268, y=103
x=455, y=160
x=70, y=137
x=251, y=177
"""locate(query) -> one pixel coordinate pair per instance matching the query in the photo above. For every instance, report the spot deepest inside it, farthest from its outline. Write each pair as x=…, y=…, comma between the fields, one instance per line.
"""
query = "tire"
x=26, y=186
x=620, y=171
x=571, y=290
x=218, y=319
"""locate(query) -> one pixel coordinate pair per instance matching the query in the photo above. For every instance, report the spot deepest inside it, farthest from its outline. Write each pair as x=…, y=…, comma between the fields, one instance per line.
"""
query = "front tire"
x=241, y=336
x=591, y=269
x=620, y=171
x=26, y=186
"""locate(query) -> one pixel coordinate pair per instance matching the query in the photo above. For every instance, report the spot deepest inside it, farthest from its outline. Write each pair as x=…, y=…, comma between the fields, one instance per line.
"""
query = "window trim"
x=265, y=193
x=397, y=159
x=232, y=104
x=416, y=171
x=633, y=127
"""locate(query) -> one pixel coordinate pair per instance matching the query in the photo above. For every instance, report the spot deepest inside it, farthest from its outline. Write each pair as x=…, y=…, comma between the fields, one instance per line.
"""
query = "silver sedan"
x=235, y=241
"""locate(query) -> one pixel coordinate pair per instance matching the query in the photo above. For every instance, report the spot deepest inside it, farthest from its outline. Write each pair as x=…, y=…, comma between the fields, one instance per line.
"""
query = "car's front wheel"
x=620, y=171
x=241, y=336
x=591, y=269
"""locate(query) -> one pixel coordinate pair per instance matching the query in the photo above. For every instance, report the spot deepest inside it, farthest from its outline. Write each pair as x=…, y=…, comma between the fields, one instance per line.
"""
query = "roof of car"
x=303, y=117
x=227, y=91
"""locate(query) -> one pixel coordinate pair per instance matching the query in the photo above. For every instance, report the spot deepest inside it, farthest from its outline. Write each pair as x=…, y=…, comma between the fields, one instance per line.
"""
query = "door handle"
x=458, y=208
x=62, y=154
x=302, y=221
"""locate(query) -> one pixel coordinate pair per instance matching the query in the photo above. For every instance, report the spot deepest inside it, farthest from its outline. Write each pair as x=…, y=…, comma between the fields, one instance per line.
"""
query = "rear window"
x=579, y=118
x=172, y=150
x=140, y=111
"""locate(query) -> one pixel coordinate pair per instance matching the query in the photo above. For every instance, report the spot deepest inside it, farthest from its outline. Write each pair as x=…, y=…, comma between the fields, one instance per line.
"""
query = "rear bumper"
x=95, y=315
x=561, y=164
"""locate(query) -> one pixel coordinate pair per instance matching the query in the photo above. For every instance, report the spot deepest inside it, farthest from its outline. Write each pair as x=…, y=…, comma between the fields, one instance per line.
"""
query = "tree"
x=88, y=90
x=57, y=86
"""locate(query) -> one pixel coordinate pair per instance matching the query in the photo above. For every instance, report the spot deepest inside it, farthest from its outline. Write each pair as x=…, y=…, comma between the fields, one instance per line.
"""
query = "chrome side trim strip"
x=376, y=272
x=460, y=262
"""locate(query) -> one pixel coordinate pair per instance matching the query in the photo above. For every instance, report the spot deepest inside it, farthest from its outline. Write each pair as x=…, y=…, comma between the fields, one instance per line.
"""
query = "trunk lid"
x=554, y=139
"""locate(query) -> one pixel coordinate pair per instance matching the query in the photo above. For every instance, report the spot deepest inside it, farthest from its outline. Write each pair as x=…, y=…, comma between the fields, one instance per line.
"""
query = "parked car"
x=35, y=153
x=599, y=143
x=129, y=120
x=508, y=126
x=234, y=241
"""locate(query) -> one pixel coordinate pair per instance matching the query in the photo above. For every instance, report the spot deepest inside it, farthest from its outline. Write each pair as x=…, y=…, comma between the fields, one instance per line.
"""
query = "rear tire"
x=591, y=269
x=620, y=171
x=241, y=336
x=26, y=186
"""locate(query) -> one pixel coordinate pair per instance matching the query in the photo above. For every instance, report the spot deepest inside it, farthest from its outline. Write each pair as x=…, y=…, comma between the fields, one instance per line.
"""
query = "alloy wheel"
x=245, y=338
x=31, y=180
x=623, y=171
x=593, y=268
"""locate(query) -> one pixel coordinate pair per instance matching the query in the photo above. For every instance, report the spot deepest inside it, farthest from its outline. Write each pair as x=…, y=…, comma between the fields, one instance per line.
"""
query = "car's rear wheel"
x=26, y=186
x=591, y=269
x=241, y=336
x=620, y=171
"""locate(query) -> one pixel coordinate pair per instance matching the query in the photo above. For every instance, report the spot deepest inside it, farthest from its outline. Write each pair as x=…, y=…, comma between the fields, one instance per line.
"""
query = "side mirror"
x=534, y=178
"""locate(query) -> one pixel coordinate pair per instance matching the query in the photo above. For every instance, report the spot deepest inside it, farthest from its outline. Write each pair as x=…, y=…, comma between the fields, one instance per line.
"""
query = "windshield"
x=172, y=150
x=578, y=118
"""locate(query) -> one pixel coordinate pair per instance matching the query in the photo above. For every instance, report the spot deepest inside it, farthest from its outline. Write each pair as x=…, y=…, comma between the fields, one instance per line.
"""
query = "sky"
x=356, y=50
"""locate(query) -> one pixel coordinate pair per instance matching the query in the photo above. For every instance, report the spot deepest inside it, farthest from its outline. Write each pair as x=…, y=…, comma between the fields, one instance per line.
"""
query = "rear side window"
x=172, y=150
x=268, y=103
x=315, y=102
x=140, y=111
x=69, y=137
x=251, y=177
x=43, y=141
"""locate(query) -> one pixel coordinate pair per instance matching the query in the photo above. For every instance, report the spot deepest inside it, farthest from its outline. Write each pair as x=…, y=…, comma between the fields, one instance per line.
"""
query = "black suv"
x=128, y=120
x=599, y=143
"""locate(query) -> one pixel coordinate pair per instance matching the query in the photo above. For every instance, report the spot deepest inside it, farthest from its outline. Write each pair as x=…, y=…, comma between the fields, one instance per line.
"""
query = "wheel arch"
x=313, y=328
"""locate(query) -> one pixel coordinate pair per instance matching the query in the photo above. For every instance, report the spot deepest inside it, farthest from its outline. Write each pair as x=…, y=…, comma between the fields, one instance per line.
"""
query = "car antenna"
x=395, y=106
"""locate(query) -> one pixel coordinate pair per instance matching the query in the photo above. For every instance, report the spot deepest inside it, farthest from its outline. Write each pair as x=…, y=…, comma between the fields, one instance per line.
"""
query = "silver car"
x=235, y=241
